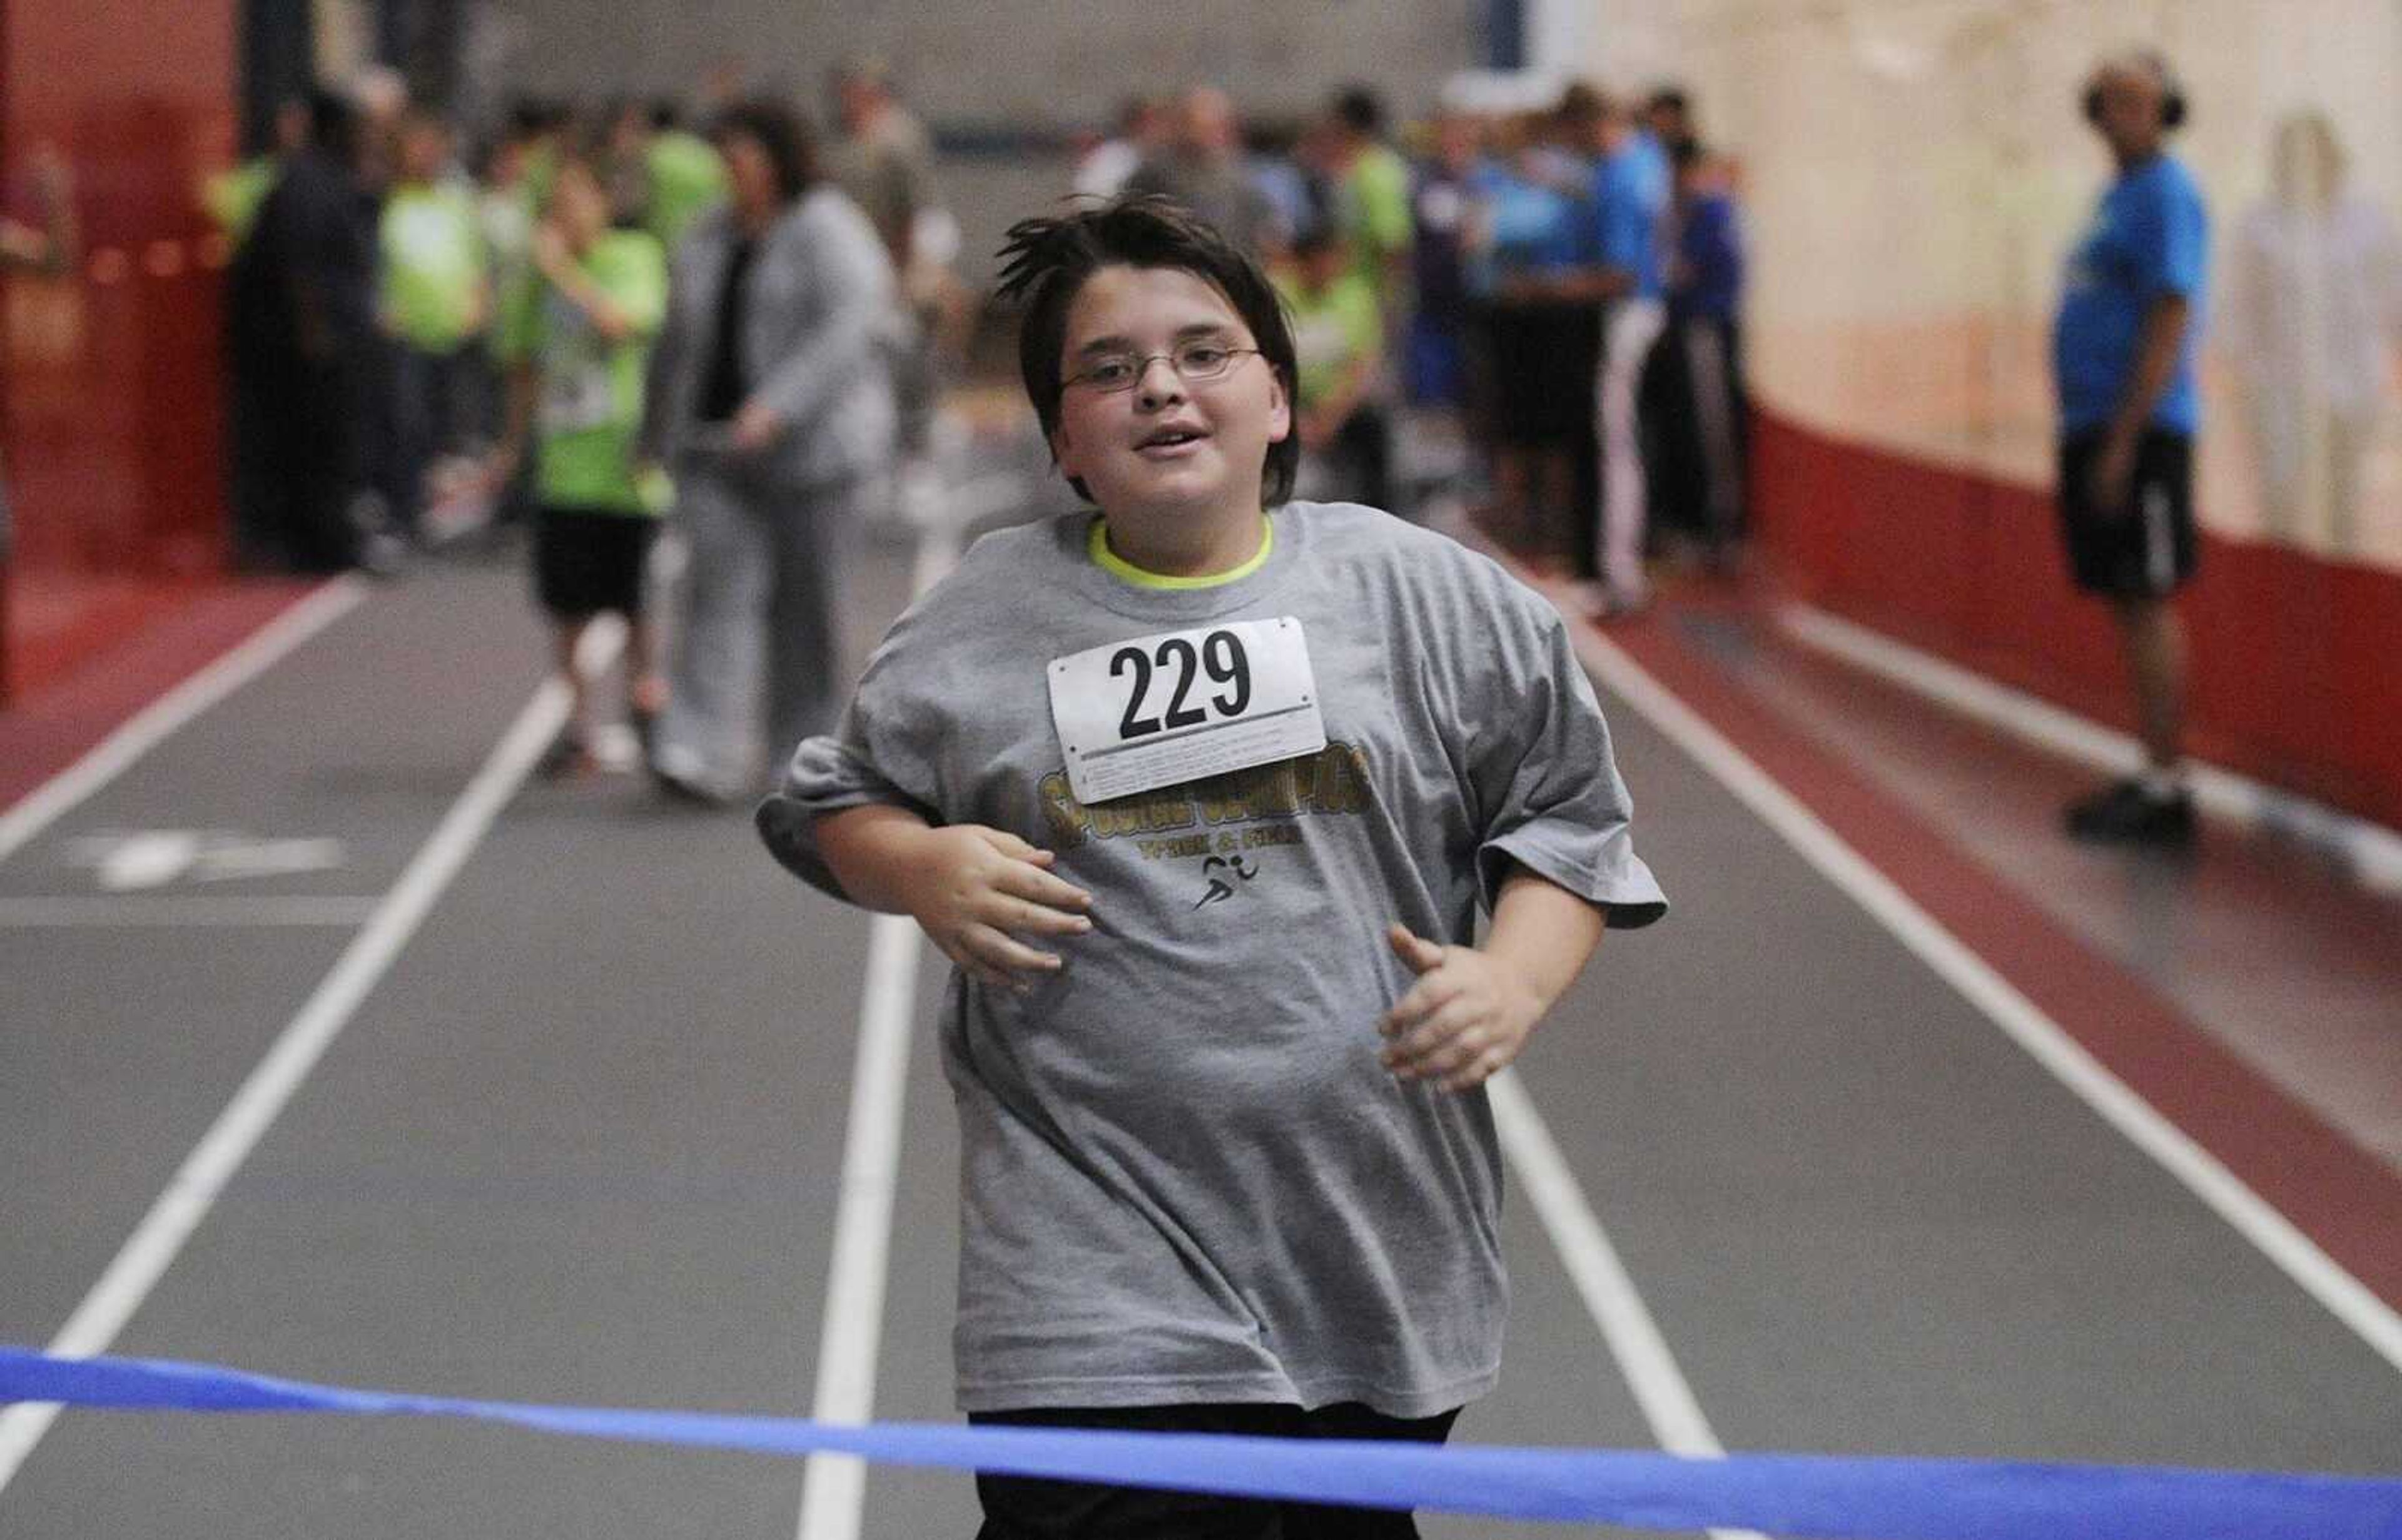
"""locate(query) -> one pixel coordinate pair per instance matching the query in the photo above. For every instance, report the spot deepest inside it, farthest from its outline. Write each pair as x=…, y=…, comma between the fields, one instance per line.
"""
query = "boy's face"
x=1168, y=444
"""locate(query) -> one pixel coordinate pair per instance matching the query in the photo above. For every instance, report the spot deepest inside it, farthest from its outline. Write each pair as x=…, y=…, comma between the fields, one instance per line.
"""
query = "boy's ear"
x=1062, y=453
x=1279, y=407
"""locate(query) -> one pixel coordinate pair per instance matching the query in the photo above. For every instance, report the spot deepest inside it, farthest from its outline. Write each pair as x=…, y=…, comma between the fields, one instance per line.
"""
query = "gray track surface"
x=580, y=1144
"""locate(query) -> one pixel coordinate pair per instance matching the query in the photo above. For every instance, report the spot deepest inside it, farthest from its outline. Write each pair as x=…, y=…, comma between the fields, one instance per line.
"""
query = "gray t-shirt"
x=1185, y=1174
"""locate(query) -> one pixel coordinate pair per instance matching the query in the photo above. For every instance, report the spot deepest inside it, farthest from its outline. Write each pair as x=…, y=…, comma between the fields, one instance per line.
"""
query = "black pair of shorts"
x=1017, y=1507
x=588, y=562
x=1543, y=357
x=2144, y=549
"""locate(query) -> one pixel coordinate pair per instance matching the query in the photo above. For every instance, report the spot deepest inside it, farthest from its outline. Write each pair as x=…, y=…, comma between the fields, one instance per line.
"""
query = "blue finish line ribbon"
x=1796, y=1496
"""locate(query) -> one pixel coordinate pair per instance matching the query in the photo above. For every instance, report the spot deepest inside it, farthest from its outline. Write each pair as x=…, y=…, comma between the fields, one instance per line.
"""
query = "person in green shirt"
x=577, y=398
x=434, y=296
x=687, y=176
x=231, y=197
x=1338, y=335
x=1372, y=196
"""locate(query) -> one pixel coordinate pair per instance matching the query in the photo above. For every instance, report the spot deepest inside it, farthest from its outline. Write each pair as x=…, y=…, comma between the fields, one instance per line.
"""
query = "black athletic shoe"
x=2128, y=813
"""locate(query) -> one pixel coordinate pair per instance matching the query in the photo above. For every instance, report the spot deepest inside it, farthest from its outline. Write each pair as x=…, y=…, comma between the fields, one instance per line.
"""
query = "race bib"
x=1163, y=710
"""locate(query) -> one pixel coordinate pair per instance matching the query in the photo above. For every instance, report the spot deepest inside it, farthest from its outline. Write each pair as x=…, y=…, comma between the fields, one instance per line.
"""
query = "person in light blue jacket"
x=771, y=403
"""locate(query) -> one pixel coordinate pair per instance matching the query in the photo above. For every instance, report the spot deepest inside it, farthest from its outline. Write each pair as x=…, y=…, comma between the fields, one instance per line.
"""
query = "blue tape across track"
x=1794, y=1495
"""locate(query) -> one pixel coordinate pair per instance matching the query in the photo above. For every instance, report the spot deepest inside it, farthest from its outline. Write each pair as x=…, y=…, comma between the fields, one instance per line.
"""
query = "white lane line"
x=834, y=1487
x=158, y=720
x=77, y=912
x=155, y=1242
x=2043, y=1039
x=2371, y=851
x=1660, y=1390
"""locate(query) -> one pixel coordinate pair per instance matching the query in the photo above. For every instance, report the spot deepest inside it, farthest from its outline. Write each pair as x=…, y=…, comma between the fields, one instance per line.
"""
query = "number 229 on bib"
x=1179, y=706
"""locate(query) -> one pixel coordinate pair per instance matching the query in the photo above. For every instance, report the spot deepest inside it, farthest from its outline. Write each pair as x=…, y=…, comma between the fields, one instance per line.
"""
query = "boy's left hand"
x=1464, y=1019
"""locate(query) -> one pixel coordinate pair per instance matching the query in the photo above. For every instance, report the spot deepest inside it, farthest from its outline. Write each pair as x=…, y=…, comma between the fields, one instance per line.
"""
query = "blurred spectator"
x=1202, y=170
x=884, y=160
x=1369, y=186
x=1668, y=119
x=1626, y=208
x=517, y=173
x=1338, y=335
x=1288, y=163
x=1435, y=364
x=686, y=175
x=2124, y=345
x=1701, y=476
x=1527, y=234
x=1144, y=127
x=624, y=160
x=232, y=197
x=300, y=313
x=2314, y=313
x=881, y=157
x=436, y=298
x=577, y=399
x=770, y=403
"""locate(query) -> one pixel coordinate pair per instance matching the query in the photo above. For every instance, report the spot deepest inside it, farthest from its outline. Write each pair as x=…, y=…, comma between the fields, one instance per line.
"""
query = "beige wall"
x=1914, y=171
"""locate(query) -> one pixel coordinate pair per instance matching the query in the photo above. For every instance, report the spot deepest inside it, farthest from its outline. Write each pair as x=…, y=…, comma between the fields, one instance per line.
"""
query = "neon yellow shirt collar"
x=1098, y=544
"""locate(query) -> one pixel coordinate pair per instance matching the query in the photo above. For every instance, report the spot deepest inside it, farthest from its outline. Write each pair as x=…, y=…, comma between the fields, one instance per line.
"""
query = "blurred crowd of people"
x=598, y=317
x=594, y=316
x=1565, y=283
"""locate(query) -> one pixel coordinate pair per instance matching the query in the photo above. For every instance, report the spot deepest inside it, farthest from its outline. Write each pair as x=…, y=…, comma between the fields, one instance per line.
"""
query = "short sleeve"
x=884, y=752
x=2176, y=253
x=1545, y=785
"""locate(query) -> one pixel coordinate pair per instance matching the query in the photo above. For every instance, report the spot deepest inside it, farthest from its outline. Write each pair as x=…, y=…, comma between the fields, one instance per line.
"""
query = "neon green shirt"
x=1333, y=328
x=434, y=265
x=1377, y=200
x=686, y=179
x=589, y=391
x=232, y=197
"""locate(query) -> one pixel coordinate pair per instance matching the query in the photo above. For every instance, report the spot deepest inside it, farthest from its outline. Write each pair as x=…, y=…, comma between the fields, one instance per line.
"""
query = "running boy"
x=577, y=392
x=1201, y=791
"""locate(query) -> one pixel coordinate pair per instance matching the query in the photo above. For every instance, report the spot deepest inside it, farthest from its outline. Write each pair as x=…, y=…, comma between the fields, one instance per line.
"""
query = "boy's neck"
x=1180, y=546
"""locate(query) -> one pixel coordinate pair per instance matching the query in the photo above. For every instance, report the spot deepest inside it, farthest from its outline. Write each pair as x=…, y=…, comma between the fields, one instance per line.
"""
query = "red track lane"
x=57, y=726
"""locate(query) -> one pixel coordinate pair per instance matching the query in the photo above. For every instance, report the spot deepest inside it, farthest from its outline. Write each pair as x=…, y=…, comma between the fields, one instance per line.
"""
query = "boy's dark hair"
x=1045, y=262
x=777, y=130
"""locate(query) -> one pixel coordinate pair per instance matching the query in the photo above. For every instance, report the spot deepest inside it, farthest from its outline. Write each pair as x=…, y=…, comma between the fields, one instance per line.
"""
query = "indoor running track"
x=333, y=1047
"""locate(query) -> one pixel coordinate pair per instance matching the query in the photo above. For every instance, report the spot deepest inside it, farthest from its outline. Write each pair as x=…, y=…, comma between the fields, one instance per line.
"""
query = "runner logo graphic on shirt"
x=1219, y=890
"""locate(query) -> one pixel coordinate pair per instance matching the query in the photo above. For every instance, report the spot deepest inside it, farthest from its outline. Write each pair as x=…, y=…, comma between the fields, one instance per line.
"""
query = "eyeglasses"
x=1195, y=361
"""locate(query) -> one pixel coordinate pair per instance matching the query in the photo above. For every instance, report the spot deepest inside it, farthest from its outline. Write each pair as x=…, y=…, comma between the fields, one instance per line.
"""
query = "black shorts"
x=1543, y=363
x=2144, y=549
x=587, y=562
x=1019, y=1508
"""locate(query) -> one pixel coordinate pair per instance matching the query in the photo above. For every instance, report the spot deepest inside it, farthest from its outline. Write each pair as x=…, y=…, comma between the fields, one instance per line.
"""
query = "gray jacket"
x=815, y=341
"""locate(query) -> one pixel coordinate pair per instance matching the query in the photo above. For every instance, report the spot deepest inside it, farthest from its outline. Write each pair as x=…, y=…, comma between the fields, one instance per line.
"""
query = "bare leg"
x=2153, y=637
x=576, y=738
x=646, y=688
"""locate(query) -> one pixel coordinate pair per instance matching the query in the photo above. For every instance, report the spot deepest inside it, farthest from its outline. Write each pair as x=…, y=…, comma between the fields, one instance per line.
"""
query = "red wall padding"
x=2297, y=660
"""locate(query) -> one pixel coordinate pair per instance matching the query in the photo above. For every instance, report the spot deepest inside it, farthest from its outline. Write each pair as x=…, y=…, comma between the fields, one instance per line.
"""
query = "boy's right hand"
x=975, y=890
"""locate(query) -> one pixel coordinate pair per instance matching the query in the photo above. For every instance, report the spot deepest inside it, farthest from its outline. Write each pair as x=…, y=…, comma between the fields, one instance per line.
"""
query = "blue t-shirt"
x=1654, y=173
x=1535, y=227
x=1710, y=240
x=1626, y=208
x=2149, y=237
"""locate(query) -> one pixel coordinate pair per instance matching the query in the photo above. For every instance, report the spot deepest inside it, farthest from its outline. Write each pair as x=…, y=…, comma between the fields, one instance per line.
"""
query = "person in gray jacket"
x=771, y=403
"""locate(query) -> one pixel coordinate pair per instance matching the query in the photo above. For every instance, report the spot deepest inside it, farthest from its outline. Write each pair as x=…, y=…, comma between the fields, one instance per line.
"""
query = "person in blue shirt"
x=2124, y=345
x=1702, y=484
x=1628, y=197
x=1527, y=234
